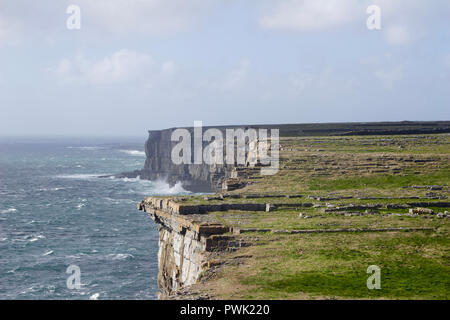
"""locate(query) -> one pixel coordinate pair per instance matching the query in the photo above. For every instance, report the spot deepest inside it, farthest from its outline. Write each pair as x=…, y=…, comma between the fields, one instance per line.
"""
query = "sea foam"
x=134, y=152
x=10, y=210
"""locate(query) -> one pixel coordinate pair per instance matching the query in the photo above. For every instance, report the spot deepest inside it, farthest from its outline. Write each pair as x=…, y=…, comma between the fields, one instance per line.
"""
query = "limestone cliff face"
x=185, y=244
x=180, y=258
x=195, y=177
x=204, y=178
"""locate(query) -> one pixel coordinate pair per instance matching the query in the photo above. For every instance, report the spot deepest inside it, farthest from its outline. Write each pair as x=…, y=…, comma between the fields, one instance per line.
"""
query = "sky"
x=138, y=65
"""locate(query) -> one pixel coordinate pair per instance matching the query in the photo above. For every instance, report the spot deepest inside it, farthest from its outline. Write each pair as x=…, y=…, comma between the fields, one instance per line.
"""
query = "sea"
x=68, y=233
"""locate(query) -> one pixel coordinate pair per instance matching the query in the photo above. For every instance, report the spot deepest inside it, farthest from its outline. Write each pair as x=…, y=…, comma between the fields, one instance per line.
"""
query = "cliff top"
x=336, y=206
x=343, y=128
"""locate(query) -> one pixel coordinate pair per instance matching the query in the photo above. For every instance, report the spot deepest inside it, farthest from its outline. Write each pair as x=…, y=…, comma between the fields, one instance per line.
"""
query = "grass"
x=442, y=177
x=289, y=220
x=334, y=266
x=414, y=265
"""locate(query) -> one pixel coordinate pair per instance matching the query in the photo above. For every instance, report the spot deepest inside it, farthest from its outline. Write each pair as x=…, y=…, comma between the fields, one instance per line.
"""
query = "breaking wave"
x=87, y=148
x=81, y=176
x=162, y=187
x=134, y=152
x=138, y=185
x=10, y=210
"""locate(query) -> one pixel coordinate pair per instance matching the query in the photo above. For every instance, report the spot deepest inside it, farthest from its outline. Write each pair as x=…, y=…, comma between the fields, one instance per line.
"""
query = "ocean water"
x=55, y=212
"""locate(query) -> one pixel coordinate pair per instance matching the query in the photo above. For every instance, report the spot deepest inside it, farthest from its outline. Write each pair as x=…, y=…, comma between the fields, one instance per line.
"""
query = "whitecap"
x=81, y=176
x=48, y=253
x=10, y=210
x=94, y=296
x=79, y=206
x=87, y=148
x=36, y=238
x=50, y=189
x=134, y=152
x=131, y=179
x=121, y=256
x=76, y=256
x=160, y=187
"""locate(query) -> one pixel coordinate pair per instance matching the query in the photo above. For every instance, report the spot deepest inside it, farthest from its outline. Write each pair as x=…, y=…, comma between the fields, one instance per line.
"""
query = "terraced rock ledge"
x=311, y=231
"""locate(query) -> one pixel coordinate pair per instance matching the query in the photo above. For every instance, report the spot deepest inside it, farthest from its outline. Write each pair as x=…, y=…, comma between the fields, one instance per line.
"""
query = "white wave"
x=81, y=176
x=50, y=189
x=36, y=238
x=76, y=256
x=87, y=148
x=10, y=210
x=158, y=187
x=162, y=188
x=94, y=296
x=137, y=179
x=139, y=186
x=134, y=152
x=121, y=256
x=81, y=205
x=48, y=253
x=3, y=239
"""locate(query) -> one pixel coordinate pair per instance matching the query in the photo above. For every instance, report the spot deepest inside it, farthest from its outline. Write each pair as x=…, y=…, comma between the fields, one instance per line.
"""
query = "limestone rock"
x=419, y=210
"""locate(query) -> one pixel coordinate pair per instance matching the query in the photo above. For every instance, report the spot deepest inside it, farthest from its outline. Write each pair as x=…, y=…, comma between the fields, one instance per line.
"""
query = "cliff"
x=186, y=242
x=159, y=165
x=320, y=195
x=207, y=178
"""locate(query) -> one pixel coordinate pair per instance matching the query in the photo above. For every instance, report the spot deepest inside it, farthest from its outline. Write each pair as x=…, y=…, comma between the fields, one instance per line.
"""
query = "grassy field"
x=372, y=173
x=414, y=265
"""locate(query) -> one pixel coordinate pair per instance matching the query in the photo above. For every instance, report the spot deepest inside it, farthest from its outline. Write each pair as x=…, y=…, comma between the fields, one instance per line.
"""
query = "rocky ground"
x=337, y=206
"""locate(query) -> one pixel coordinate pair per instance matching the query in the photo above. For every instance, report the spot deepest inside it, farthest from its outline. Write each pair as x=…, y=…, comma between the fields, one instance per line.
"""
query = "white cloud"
x=236, y=77
x=402, y=21
x=155, y=17
x=9, y=31
x=389, y=77
x=64, y=68
x=168, y=68
x=398, y=35
x=306, y=15
x=326, y=80
x=121, y=66
x=386, y=69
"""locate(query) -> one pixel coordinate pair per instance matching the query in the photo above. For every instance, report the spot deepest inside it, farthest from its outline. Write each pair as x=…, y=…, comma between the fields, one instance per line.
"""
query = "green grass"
x=414, y=265
x=320, y=266
x=288, y=219
x=380, y=181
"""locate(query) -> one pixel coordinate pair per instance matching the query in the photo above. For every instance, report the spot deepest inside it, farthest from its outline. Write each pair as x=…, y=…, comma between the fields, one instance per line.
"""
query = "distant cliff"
x=204, y=177
x=195, y=177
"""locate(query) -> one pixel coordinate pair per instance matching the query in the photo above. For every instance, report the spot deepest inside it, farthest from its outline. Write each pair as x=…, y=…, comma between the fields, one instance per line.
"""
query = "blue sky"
x=139, y=65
